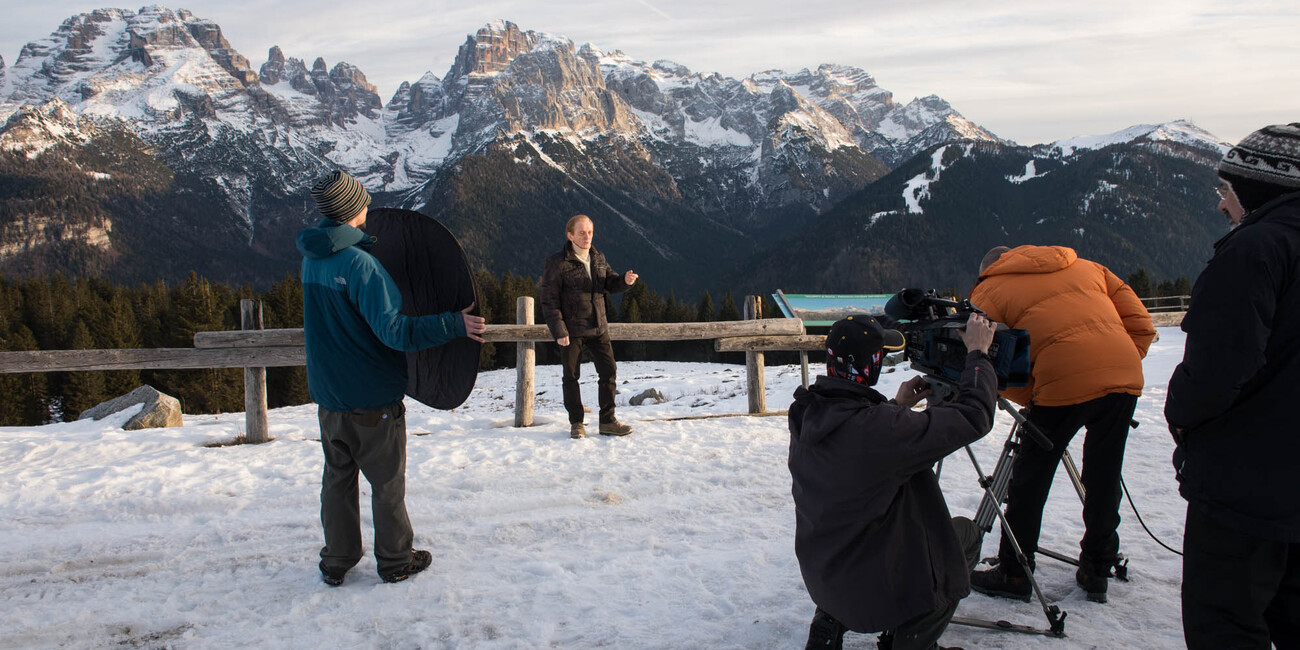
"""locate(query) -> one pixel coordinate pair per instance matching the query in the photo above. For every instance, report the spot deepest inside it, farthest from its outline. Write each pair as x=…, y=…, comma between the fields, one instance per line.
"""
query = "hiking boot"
x=420, y=560
x=577, y=430
x=996, y=582
x=331, y=578
x=614, y=428
x=1093, y=579
x=825, y=633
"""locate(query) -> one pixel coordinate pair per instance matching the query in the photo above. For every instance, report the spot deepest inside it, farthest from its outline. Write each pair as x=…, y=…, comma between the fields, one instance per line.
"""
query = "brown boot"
x=577, y=430
x=614, y=428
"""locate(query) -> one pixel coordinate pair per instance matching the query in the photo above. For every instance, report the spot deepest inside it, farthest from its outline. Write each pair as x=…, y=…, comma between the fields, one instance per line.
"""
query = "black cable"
x=1139, y=516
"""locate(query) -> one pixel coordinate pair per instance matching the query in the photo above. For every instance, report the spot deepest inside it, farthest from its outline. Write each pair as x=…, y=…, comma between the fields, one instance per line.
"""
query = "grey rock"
x=160, y=410
x=649, y=393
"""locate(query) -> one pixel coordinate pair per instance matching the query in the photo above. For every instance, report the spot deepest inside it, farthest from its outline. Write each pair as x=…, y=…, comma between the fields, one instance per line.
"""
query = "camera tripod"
x=990, y=508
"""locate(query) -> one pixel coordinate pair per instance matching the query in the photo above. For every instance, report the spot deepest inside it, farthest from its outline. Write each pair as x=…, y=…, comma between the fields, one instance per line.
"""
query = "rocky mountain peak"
x=272, y=72
x=208, y=34
x=32, y=130
x=492, y=48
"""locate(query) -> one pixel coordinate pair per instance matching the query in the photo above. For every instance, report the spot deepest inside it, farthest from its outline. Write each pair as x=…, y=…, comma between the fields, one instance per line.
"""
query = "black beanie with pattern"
x=1264, y=165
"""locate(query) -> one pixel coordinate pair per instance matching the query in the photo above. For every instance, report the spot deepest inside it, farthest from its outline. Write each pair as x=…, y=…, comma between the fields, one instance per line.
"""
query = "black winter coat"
x=572, y=303
x=1235, y=394
x=872, y=532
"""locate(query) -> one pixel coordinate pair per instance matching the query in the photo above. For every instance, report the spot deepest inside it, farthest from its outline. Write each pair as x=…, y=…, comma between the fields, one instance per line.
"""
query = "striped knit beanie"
x=1265, y=165
x=339, y=196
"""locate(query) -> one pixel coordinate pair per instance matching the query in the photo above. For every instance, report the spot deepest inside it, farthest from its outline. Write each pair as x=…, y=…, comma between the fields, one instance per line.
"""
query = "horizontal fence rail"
x=506, y=333
x=1167, y=303
x=795, y=342
x=150, y=359
x=284, y=347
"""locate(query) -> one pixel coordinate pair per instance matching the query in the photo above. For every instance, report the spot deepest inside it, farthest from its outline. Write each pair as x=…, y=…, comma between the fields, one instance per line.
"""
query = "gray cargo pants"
x=373, y=442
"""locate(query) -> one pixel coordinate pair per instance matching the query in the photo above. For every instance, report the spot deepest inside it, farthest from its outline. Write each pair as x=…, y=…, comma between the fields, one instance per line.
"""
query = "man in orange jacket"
x=1088, y=335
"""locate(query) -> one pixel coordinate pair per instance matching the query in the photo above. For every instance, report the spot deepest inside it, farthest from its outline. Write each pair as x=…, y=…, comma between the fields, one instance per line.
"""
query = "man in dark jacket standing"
x=1231, y=406
x=356, y=374
x=573, y=292
x=876, y=545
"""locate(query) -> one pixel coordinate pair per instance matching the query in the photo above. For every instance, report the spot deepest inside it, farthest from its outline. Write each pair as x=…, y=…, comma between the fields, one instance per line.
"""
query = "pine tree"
x=705, y=312
x=33, y=396
x=81, y=390
x=1140, y=283
x=728, y=310
x=198, y=306
x=282, y=309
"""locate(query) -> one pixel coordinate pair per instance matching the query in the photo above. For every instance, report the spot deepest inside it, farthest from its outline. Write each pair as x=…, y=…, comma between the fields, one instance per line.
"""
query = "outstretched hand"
x=978, y=334
x=475, y=326
x=912, y=392
x=630, y=277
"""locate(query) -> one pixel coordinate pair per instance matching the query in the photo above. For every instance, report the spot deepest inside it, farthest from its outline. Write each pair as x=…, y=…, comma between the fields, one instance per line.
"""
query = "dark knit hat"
x=856, y=345
x=1264, y=165
x=339, y=196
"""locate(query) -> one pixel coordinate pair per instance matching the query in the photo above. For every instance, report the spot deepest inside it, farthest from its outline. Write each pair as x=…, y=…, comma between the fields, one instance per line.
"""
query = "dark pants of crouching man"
x=923, y=632
x=602, y=356
x=372, y=442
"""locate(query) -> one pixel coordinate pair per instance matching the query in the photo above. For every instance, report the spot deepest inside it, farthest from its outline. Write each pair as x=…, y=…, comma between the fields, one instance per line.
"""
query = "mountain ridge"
x=662, y=156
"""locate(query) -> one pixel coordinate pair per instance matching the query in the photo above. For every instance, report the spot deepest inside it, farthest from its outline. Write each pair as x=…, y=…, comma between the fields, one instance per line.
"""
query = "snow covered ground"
x=678, y=536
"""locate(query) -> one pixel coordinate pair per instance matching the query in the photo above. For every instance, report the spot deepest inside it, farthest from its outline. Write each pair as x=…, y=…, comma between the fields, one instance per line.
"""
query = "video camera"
x=933, y=327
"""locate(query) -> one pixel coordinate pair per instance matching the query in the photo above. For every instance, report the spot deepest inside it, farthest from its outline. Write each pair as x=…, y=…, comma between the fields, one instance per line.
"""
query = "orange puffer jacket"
x=1088, y=332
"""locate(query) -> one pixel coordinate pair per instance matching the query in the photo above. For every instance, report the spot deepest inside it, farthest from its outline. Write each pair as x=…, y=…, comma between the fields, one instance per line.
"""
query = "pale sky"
x=1028, y=71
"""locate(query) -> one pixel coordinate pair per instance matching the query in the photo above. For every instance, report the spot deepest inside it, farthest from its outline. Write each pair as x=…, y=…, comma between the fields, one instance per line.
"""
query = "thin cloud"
x=654, y=9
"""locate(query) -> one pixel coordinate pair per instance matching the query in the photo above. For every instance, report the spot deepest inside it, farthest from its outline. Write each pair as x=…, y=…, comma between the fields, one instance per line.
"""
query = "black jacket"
x=872, y=532
x=572, y=303
x=1236, y=392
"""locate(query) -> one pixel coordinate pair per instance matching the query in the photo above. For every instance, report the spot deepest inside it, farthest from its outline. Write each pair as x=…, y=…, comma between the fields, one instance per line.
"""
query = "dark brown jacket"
x=572, y=303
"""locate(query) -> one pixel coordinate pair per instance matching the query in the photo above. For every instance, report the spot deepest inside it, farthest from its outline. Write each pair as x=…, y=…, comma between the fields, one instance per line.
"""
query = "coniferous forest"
x=60, y=313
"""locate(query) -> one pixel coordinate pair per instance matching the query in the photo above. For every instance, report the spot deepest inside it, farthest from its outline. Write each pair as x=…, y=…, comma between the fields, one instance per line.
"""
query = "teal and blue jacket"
x=353, y=322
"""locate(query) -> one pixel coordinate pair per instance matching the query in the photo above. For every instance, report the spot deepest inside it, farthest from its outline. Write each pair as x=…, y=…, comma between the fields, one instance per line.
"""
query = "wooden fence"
x=256, y=349
x=1167, y=303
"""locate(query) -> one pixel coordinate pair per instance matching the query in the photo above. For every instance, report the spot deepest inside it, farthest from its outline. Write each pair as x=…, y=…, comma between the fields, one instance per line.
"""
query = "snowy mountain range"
x=523, y=130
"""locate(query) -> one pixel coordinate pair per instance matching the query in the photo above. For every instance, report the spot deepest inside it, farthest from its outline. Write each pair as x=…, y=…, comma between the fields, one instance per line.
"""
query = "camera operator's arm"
x=978, y=335
x=912, y=391
x=940, y=430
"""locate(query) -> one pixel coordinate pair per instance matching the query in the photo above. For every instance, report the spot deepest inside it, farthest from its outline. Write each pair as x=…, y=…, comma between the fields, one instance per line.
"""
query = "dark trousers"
x=923, y=632
x=372, y=442
x=1239, y=591
x=1107, y=421
x=602, y=355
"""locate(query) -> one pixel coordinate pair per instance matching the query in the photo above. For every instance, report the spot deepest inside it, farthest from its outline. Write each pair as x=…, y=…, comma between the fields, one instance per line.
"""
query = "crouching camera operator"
x=877, y=547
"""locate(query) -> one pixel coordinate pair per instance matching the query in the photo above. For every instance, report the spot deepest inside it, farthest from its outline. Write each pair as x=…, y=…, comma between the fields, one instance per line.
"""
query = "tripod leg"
x=1073, y=471
x=1055, y=619
x=984, y=517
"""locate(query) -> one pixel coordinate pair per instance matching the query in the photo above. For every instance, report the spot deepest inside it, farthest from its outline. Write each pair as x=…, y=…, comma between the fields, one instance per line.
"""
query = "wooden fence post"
x=525, y=359
x=256, y=429
x=755, y=383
